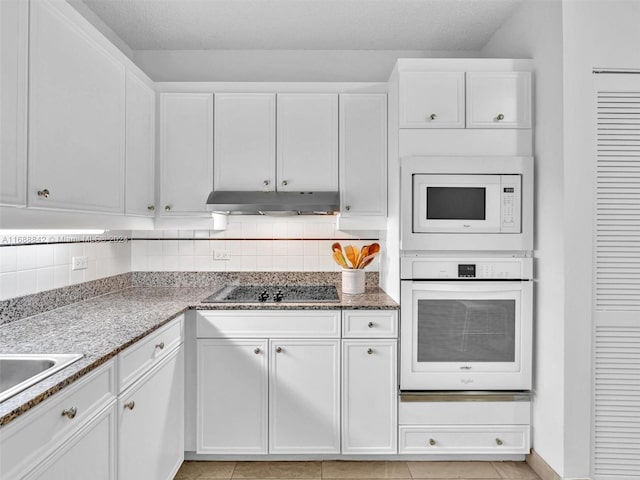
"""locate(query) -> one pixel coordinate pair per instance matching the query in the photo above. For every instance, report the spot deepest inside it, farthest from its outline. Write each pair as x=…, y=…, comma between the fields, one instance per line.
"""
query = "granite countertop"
x=101, y=327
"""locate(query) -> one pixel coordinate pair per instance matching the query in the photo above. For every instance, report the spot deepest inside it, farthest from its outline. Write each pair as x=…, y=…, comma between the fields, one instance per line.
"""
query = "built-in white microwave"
x=467, y=203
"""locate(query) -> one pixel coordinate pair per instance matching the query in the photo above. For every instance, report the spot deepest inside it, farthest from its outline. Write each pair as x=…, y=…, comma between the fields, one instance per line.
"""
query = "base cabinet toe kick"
x=324, y=385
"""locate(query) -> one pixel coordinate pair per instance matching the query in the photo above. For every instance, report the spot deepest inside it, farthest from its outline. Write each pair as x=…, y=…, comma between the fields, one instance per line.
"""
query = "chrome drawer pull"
x=498, y=441
x=370, y=324
x=256, y=351
x=70, y=412
x=432, y=441
x=130, y=405
x=369, y=351
x=279, y=349
x=160, y=345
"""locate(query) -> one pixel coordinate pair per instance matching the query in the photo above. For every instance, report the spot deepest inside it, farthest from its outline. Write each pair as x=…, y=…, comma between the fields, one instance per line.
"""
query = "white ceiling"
x=304, y=24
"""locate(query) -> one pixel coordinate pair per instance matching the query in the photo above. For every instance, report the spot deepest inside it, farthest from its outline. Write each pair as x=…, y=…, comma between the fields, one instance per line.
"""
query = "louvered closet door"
x=617, y=279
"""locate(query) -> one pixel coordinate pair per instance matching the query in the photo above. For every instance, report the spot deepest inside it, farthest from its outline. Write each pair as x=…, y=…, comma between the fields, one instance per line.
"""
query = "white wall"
x=277, y=65
x=535, y=31
x=601, y=34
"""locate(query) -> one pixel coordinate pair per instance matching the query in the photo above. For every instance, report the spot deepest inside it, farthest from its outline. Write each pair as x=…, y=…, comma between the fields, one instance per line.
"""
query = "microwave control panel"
x=510, y=203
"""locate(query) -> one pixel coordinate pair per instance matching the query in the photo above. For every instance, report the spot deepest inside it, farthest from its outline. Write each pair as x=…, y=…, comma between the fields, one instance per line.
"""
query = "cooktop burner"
x=274, y=294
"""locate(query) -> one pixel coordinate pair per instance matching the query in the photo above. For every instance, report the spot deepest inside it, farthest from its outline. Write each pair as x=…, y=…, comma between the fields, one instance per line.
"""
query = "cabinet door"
x=151, y=423
x=307, y=142
x=232, y=396
x=186, y=152
x=363, y=154
x=499, y=100
x=369, y=397
x=304, y=396
x=432, y=100
x=14, y=24
x=76, y=115
x=140, y=181
x=90, y=453
x=245, y=142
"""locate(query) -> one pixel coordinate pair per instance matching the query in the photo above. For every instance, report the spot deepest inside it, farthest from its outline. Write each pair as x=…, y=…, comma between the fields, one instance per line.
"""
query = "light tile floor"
x=341, y=470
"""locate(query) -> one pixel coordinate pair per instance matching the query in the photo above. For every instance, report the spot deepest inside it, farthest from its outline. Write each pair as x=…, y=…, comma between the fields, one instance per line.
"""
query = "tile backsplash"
x=248, y=244
x=28, y=269
x=270, y=244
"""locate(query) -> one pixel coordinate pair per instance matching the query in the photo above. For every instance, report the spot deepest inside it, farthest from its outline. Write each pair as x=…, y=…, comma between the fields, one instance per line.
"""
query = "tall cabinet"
x=14, y=29
x=186, y=152
x=76, y=115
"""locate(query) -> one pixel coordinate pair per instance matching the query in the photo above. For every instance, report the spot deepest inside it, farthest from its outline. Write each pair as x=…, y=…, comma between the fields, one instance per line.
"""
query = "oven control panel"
x=416, y=268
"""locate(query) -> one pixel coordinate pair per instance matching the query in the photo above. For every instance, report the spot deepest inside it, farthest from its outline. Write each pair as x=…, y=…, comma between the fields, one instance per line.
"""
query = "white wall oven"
x=466, y=324
x=467, y=203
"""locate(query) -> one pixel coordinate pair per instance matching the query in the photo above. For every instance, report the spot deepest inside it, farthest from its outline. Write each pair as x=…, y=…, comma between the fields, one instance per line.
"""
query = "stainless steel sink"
x=18, y=372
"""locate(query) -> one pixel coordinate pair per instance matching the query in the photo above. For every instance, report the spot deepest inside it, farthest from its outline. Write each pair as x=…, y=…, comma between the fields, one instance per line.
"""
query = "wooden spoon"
x=336, y=247
x=364, y=251
x=367, y=260
x=374, y=248
x=351, y=254
x=339, y=258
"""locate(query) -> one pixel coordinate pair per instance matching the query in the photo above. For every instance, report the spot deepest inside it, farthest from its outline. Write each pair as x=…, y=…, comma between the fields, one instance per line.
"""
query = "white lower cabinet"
x=69, y=436
x=151, y=421
x=279, y=394
x=304, y=396
x=90, y=453
x=232, y=396
x=369, y=396
x=150, y=429
x=464, y=426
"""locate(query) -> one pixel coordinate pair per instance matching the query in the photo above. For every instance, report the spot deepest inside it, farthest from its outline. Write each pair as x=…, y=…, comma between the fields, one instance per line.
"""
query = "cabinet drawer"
x=274, y=323
x=141, y=356
x=440, y=439
x=370, y=323
x=464, y=413
x=44, y=428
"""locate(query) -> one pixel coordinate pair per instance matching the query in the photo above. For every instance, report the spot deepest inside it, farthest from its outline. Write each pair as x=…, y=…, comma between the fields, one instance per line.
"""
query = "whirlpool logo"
x=467, y=381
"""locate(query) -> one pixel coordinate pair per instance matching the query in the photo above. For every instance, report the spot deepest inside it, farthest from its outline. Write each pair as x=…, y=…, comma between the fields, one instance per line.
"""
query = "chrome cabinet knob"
x=167, y=208
x=432, y=116
x=256, y=351
x=279, y=349
x=369, y=351
x=285, y=182
x=347, y=208
x=130, y=405
x=498, y=441
x=500, y=117
x=43, y=193
x=265, y=183
x=151, y=208
x=432, y=441
x=160, y=345
x=370, y=324
x=70, y=412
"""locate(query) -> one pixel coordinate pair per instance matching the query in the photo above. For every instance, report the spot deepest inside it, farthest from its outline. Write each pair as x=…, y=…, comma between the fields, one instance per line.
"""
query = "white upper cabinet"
x=499, y=100
x=245, y=141
x=76, y=114
x=307, y=142
x=186, y=152
x=432, y=100
x=140, y=142
x=14, y=25
x=363, y=154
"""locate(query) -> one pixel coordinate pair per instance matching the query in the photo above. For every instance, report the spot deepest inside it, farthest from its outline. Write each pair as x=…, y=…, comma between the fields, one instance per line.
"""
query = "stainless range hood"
x=264, y=203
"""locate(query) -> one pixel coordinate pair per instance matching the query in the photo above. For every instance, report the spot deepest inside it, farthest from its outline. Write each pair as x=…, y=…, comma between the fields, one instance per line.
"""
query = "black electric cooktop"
x=274, y=294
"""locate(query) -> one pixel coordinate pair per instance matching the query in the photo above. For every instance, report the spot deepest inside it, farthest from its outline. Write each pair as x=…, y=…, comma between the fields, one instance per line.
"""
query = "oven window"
x=466, y=330
x=456, y=203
